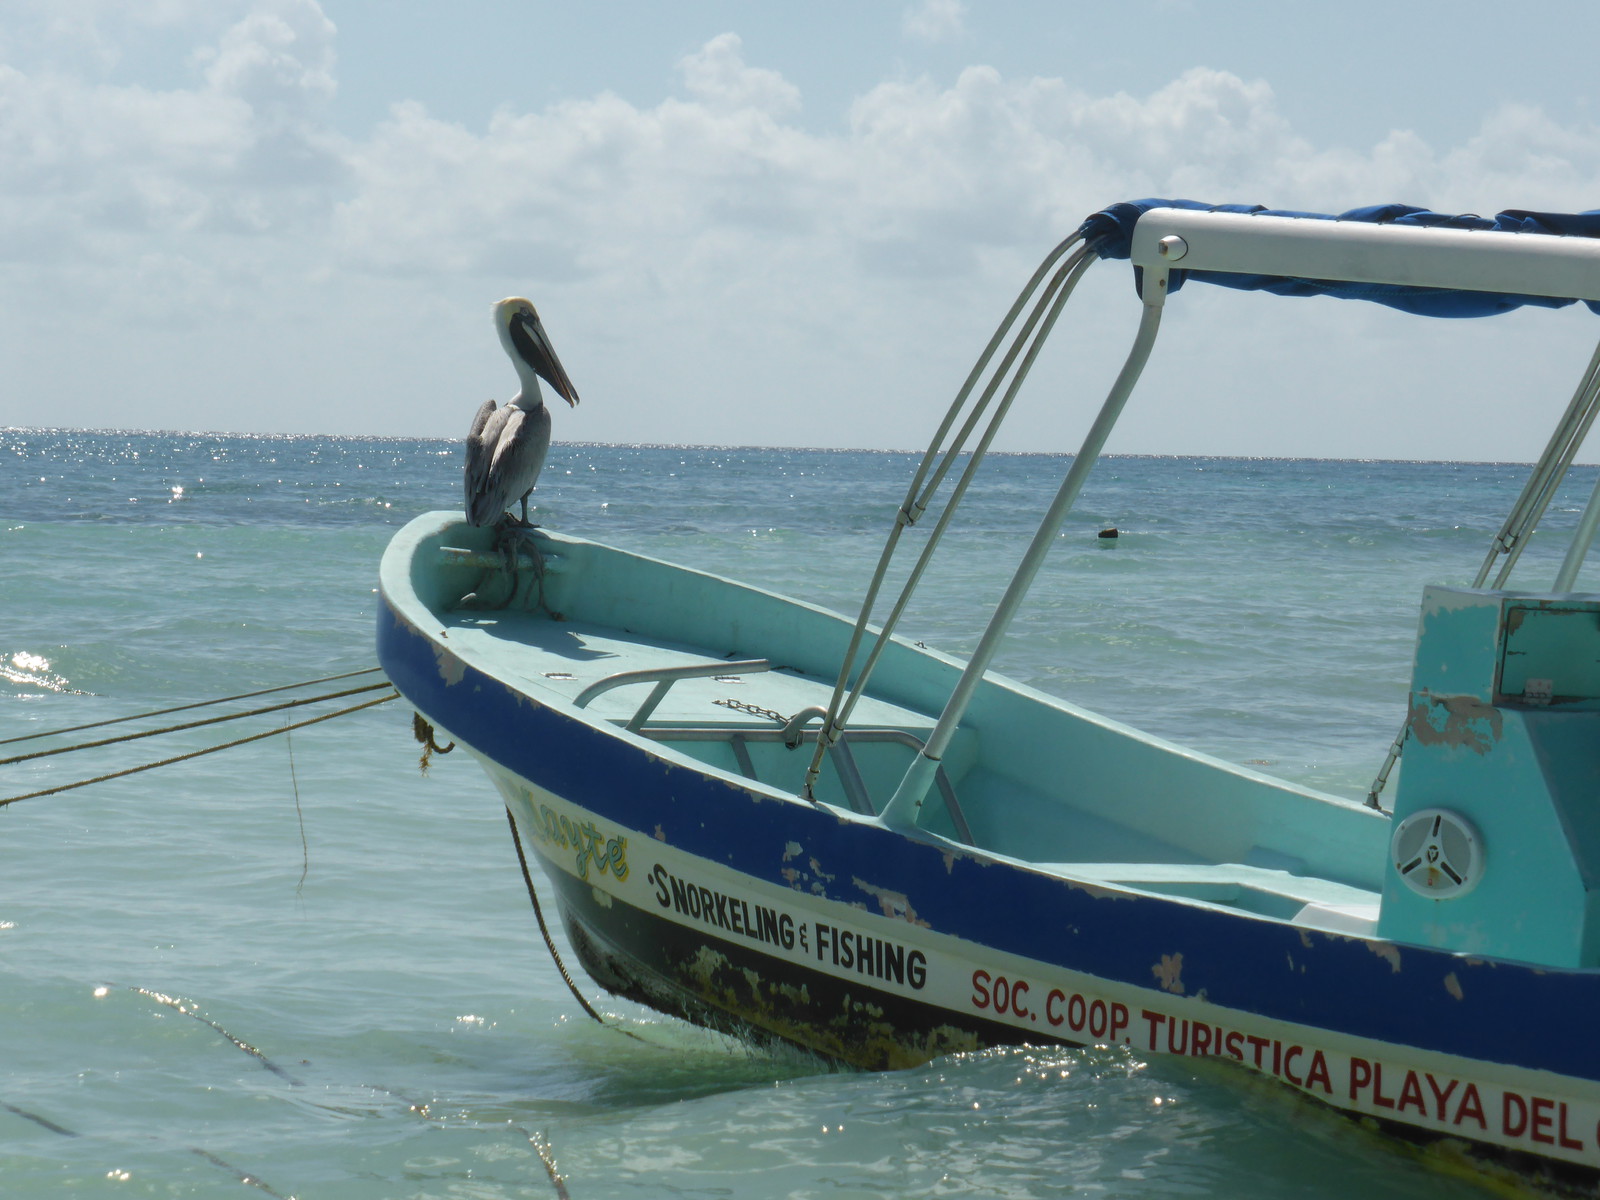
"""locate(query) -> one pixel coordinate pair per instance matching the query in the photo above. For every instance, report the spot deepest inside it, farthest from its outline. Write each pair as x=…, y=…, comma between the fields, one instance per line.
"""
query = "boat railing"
x=794, y=728
x=840, y=753
x=664, y=678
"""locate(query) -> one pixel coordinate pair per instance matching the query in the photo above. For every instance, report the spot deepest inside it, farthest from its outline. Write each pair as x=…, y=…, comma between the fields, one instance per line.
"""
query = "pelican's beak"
x=527, y=331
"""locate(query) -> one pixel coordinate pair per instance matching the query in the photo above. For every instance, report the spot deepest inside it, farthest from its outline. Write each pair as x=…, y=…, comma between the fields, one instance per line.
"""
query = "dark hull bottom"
x=722, y=985
x=764, y=1001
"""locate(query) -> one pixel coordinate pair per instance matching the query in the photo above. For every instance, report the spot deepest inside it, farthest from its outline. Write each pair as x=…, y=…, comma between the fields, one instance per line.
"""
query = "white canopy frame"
x=1527, y=264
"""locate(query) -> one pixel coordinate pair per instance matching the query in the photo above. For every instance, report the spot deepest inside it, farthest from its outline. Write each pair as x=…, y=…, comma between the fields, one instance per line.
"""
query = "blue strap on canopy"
x=1112, y=228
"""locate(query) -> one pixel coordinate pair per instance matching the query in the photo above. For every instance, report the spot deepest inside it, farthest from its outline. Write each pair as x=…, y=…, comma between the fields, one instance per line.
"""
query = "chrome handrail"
x=664, y=678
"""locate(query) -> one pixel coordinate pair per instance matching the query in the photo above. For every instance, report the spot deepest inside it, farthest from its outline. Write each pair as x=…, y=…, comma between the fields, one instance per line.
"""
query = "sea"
x=307, y=966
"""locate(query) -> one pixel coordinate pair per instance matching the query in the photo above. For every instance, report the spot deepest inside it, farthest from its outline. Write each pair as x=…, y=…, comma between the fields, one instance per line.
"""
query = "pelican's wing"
x=480, y=452
x=494, y=494
x=518, y=457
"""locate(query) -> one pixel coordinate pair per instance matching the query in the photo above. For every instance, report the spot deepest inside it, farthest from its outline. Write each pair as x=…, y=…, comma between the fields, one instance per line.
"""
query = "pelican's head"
x=523, y=336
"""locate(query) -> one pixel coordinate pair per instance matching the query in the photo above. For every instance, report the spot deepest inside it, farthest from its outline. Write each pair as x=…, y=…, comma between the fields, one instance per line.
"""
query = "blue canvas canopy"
x=1112, y=228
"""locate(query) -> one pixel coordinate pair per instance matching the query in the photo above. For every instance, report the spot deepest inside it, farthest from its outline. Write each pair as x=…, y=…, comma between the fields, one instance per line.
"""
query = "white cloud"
x=100, y=35
x=278, y=61
x=706, y=253
x=934, y=20
x=716, y=75
x=90, y=164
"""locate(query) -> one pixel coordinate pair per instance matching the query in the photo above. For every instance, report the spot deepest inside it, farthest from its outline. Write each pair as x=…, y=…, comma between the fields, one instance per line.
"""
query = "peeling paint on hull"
x=1457, y=721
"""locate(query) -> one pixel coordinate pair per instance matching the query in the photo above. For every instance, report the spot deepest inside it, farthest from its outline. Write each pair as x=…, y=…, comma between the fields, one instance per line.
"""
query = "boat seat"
x=1221, y=883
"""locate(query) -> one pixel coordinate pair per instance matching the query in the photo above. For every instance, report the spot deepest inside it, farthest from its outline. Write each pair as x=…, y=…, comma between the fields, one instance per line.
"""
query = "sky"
x=758, y=223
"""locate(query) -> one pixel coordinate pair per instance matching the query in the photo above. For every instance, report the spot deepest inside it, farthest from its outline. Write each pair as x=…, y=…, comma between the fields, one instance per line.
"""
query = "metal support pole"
x=1582, y=539
x=1049, y=307
x=1544, y=478
x=1524, y=516
x=916, y=504
x=903, y=807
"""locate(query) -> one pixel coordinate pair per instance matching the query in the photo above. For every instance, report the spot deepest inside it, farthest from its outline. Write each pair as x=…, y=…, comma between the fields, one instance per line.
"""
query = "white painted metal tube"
x=667, y=676
x=1548, y=476
x=1569, y=433
x=901, y=811
x=839, y=707
x=1582, y=539
x=1527, y=264
x=1049, y=307
x=1525, y=515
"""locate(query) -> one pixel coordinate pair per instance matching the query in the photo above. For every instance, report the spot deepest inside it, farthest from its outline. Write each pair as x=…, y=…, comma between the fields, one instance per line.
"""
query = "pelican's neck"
x=529, y=397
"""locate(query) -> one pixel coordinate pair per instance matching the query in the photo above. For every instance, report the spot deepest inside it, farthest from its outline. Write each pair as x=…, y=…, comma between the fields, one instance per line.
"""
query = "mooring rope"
x=299, y=816
x=189, y=1009
x=42, y=1122
x=550, y=942
x=538, y=1141
x=204, y=721
x=162, y=712
x=244, y=1177
x=547, y=1155
x=166, y=762
x=538, y=913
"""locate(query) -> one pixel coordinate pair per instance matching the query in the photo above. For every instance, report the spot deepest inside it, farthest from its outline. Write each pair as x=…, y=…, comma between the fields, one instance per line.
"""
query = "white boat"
x=789, y=824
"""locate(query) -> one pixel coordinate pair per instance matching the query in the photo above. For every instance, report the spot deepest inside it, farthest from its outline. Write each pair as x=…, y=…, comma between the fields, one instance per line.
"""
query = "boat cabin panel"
x=1503, y=738
x=1550, y=653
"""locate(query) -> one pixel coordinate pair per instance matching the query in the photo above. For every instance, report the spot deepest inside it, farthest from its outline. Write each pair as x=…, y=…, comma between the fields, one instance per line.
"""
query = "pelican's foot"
x=511, y=542
x=515, y=545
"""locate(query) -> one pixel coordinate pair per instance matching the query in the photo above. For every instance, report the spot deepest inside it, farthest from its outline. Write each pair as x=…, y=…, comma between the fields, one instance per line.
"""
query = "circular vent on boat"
x=1437, y=853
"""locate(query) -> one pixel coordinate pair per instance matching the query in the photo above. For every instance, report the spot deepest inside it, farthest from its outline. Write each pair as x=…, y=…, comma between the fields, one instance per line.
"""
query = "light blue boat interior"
x=1029, y=778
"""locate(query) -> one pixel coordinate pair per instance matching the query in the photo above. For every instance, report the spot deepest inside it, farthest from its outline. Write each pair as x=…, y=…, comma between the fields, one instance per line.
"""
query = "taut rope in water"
x=190, y=1010
x=133, y=737
x=161, y=712
x=177, y=758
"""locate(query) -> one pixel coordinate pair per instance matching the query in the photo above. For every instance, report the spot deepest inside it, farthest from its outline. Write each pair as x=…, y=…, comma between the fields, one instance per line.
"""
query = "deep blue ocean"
x=306, y=967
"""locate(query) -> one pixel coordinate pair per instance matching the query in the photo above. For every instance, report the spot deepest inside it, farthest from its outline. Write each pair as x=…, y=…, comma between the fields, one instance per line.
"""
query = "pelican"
x=506, y=446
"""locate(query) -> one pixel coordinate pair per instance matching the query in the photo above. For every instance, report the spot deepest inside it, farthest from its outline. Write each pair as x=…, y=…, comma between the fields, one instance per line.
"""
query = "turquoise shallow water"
x=303, y=967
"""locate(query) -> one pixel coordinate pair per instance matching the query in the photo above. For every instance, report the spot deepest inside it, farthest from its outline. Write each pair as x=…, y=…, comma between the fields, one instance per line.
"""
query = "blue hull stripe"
x=1533, y=1018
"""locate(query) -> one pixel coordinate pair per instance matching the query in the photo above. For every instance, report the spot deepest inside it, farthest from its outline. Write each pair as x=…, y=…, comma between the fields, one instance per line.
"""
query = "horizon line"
x=719, y=446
